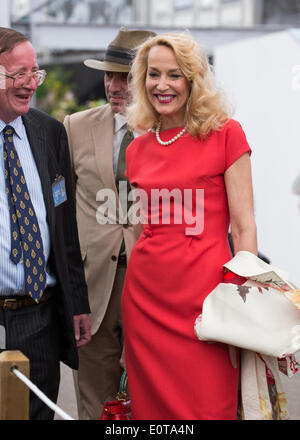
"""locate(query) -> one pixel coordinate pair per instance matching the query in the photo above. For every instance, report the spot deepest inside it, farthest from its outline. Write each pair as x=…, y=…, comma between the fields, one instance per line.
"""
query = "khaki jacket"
x=90, y=135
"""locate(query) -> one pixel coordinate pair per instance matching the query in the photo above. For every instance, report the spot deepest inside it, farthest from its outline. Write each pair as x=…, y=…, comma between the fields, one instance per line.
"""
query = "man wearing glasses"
x=43, y=294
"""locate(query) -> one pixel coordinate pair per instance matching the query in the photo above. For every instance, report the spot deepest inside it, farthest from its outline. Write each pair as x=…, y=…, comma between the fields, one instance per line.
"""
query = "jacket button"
x=114, y=258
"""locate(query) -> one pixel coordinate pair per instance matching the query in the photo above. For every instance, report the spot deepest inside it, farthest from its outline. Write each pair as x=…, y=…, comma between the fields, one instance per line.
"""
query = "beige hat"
x=121, y=51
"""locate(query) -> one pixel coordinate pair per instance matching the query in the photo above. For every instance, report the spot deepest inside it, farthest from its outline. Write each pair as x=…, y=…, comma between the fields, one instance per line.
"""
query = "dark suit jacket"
x=48, y=141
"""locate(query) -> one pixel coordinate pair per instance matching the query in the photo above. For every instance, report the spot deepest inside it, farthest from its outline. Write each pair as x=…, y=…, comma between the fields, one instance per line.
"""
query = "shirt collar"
x=17, y=124
x=120, y=121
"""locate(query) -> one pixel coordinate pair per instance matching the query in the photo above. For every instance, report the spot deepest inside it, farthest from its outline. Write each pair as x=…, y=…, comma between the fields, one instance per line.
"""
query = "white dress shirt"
x=12, y=275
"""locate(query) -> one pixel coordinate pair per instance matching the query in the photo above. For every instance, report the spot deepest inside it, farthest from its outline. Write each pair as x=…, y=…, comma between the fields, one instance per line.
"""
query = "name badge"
x=59, y=190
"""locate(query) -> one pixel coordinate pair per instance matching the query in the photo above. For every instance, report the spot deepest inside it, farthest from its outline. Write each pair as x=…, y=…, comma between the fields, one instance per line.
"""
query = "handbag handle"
x=122, y=394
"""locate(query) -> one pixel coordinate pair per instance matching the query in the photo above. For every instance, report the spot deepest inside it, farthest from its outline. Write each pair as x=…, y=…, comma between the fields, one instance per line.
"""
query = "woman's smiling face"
x=167, y=87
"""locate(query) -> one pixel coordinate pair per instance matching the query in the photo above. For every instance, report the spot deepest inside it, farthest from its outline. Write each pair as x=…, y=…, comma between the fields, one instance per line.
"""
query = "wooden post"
x=14, y=394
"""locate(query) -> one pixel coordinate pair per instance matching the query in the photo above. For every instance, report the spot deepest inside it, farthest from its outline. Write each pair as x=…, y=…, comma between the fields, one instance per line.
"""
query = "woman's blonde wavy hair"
x=207, y=107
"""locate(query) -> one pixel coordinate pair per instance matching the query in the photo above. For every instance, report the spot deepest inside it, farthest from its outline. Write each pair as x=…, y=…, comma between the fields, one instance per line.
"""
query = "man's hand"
x=82, y=329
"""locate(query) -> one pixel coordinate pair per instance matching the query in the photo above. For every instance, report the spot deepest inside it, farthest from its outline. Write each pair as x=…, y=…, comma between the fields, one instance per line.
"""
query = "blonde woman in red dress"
x=191, y=144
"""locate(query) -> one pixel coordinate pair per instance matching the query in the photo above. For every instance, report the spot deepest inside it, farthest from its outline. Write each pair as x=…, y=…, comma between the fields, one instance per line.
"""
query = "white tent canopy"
x=262, y=77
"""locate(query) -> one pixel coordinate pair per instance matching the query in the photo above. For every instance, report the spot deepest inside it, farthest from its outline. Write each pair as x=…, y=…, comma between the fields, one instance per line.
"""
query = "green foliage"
x=56, y=95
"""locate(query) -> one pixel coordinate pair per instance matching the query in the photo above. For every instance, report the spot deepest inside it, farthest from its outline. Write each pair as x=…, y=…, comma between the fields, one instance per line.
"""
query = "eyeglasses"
x=21, y=79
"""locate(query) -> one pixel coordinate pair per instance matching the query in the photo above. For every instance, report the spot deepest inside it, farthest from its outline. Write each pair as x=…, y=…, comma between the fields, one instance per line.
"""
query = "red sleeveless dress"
x=172, y=268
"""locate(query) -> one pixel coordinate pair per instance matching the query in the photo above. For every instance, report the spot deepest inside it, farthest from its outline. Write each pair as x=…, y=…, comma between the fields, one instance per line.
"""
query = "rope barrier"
x=41, y=395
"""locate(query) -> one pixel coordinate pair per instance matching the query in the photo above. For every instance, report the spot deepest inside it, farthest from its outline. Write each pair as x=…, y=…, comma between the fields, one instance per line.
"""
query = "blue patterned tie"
x=25, y=232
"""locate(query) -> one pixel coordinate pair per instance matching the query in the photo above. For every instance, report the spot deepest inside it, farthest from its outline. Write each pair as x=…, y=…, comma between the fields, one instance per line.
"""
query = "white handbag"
x=258, y=315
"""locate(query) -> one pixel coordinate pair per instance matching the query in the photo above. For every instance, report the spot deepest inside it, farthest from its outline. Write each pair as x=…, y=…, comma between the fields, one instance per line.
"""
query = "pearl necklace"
x=171, y=140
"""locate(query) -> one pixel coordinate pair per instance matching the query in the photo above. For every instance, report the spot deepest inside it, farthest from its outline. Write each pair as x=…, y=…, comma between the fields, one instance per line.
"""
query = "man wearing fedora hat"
x=98, y=138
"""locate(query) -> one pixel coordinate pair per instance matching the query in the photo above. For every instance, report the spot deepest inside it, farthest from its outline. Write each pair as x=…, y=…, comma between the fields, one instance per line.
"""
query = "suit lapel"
x=102, y=133
x=37, y=140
